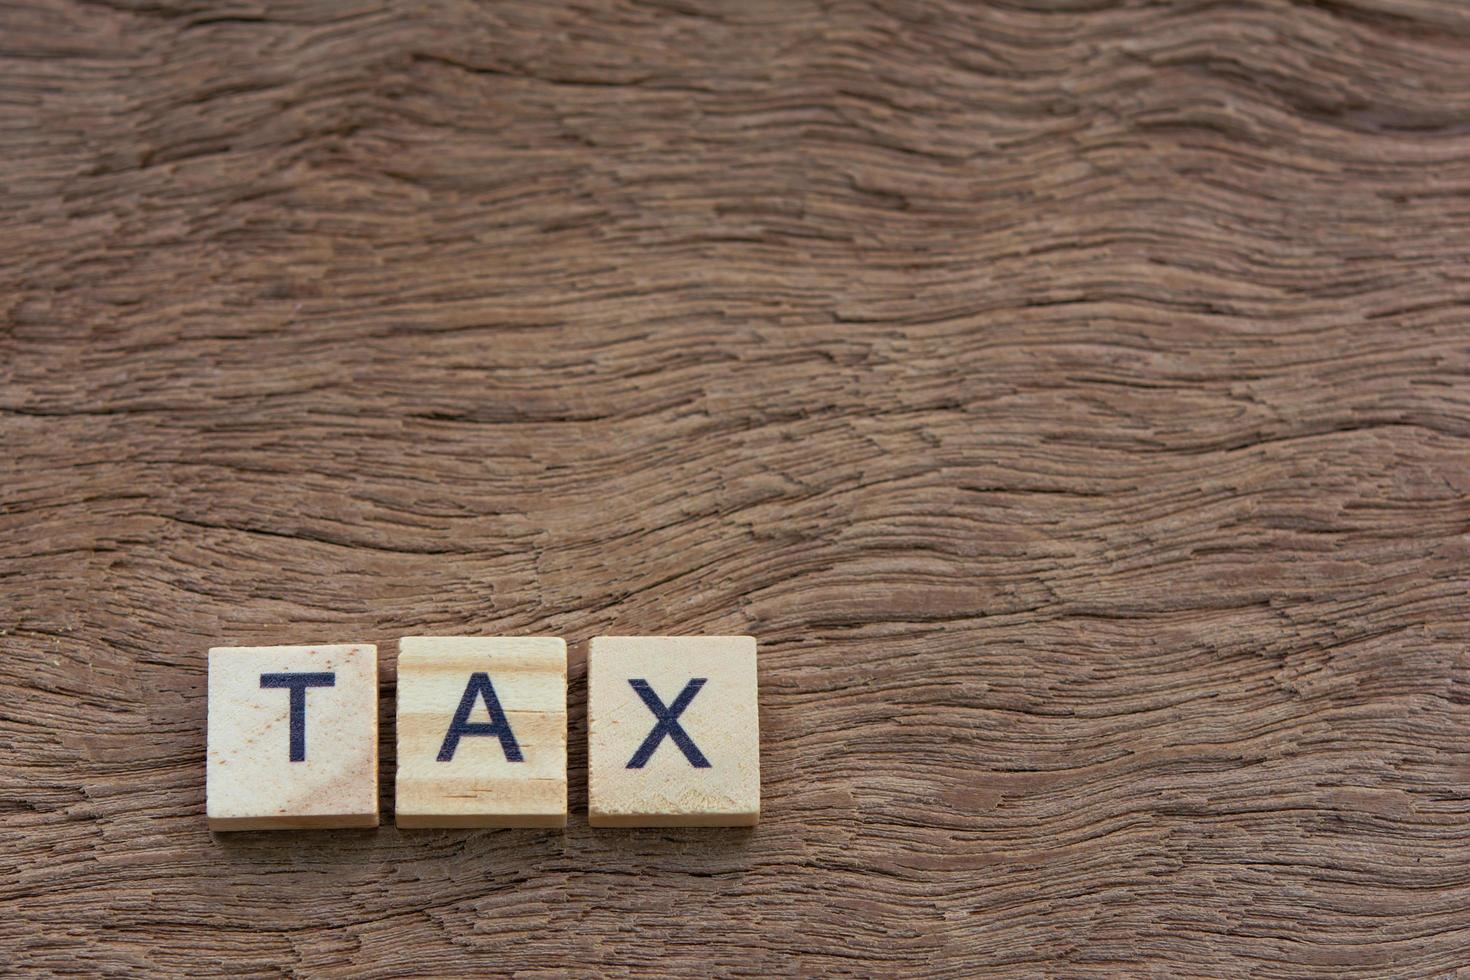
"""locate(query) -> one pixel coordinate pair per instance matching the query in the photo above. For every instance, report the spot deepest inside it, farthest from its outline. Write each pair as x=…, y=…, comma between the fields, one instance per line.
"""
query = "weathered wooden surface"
x=1071, y=397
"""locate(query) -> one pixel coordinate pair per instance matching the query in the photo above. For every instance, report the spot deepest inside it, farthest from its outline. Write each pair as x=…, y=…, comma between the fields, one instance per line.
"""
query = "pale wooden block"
x=703, y=769
x=510, y=768
x=268, y=771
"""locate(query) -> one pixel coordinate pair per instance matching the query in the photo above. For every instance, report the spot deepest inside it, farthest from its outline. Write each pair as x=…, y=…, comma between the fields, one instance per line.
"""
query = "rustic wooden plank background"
x=1071, y=397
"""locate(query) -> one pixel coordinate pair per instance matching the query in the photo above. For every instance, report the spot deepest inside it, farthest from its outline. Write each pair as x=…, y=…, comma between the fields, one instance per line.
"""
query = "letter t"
x=298, y=683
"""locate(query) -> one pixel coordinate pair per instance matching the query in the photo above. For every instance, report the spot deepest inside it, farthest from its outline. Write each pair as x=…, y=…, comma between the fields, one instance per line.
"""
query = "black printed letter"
x=298, y=683
x=480, y=686
x=668, y=724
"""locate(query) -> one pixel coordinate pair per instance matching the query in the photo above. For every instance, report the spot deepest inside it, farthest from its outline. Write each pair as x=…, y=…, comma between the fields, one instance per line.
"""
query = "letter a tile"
x=482, y=731
x=293, y=737
x=673, y=736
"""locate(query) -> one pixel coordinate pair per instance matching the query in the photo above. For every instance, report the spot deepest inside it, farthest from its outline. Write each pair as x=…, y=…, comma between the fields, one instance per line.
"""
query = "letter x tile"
x=672, y=731
x=293, y=737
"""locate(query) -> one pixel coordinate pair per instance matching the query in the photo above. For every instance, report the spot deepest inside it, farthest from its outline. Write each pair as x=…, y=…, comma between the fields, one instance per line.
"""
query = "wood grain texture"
x=1071, y=398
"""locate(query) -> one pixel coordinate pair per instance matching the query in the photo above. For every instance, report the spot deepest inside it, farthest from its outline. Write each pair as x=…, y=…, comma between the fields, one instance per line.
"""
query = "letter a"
x=480, y=686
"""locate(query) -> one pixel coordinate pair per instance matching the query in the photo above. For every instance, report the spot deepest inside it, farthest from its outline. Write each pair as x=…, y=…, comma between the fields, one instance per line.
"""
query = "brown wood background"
x=1071, y=397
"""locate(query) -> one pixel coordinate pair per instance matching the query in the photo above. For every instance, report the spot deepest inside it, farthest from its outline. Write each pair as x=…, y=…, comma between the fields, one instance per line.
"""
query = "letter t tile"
x=293, y=737
x=673, y=732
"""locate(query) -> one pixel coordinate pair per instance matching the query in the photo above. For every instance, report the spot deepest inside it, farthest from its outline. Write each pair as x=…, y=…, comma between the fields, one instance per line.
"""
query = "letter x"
x=668, y=724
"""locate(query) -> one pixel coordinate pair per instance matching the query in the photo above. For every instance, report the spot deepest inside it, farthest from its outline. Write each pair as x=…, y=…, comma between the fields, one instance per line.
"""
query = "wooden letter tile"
x=672, y=731
x=293, y=737
x=482, y=732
